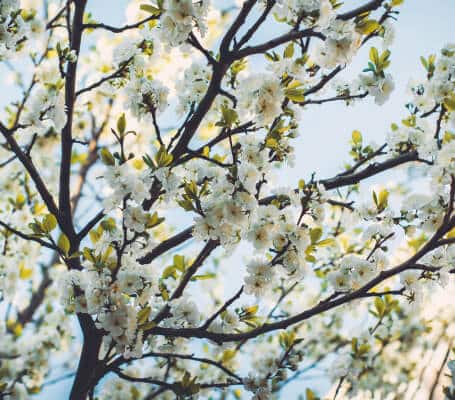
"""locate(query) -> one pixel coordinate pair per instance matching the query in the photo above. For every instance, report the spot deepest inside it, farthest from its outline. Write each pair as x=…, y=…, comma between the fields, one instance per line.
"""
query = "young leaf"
x=121, y=125
x=356, y=137
x=49, y=223
x=150, y=9
x=63, y=244
x=374, y=55
x=315, y=234
x=106, y=157
x=289, y=50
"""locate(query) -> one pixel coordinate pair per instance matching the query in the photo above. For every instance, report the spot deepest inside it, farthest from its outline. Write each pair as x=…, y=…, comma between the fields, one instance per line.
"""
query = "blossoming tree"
x=139, y=159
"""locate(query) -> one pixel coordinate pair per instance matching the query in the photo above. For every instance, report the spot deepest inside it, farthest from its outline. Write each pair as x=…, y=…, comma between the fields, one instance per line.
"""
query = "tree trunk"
x=89, y=370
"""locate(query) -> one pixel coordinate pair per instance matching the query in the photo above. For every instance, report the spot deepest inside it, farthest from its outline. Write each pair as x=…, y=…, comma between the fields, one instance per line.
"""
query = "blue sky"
x=423, y=28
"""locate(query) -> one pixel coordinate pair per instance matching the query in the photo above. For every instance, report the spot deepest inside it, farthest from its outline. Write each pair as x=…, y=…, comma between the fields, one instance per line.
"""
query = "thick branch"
x=67, y=140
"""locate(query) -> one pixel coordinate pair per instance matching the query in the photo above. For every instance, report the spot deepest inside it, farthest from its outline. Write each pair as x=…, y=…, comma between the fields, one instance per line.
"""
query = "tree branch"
x=67, y=139
x=121, y=28
x=30, y=167
x=27, y=237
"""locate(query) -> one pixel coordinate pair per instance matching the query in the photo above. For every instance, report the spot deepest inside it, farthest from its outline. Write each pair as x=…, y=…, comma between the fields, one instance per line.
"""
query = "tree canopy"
x=149, y=249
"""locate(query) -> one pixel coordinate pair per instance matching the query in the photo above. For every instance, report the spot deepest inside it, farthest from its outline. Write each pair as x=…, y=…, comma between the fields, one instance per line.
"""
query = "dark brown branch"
x=116, y=74
x=271, y=44
x=222, y=309
x=364, y=160
x=372, y=169
x=120, y=361
x=335, y=98
x=356, y=177
x=27, y=151
x=90, y=225
x=238, y=22
x=327, y=78
x=439, y=373
x=193, y=41
x=54, y=19
x=370, y=6
x=67, y=139
x=30, y=167
x=167, y=245
x=27, y=237
x=341, y=204
x=204, y=106
x=200, y=259
x=26, y=315
x=116, y=29
x=249, y=34
x=316, y=310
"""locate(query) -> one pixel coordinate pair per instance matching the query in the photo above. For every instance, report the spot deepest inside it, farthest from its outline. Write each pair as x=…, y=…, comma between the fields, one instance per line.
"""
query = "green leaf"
x=380, y=306
x=24, y=272
x=170, y=272
x=310, y=395
x=449, y=102
x=367, y=26
x=121, y=124
x=163, y=158
x=143, y=315
x=375, y=198
x=356, y=137
x=238, y=66
x=94, y=236
x=179, y=262
x=106, y=157
x=374, y=55
x=49, y=223
x=289, y=50
x=203, y=277
x=154, y=220
x=108, y=224
x=354, y=344
x=325, y=242
x=315, y=234
x=294, y=93
x=424, y=62
x=164, y=292
x=63, y=244
x=383, y=198
x=150, y=9
x=229, y=117
x=147, y=326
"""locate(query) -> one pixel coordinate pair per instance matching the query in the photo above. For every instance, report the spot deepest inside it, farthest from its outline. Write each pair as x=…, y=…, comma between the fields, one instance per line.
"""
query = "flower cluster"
x=353, y=273
x=180, y=17
x=46, y=109
x=193, y=86
x=341, y=44
x=16, y=26
x=436, y=90
x=145, y=96
x=318, y=12
x=260, y=98
x=167, y=177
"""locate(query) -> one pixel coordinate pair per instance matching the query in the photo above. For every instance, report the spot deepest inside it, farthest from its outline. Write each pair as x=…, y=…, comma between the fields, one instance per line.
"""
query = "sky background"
x=423, y=28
